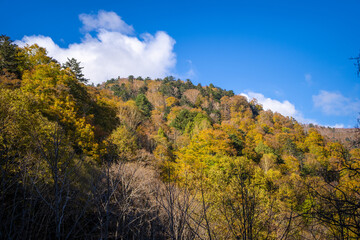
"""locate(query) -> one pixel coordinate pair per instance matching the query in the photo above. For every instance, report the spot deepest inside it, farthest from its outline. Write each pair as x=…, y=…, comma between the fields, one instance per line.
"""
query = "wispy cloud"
x=308, y=78
x=338, y=125
x=285, y=107
x=113, y=51
x=191, y=73
x=334, y=103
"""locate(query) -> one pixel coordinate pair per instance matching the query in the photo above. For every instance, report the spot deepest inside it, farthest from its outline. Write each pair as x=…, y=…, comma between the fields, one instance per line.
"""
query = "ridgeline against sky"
x=292, y=56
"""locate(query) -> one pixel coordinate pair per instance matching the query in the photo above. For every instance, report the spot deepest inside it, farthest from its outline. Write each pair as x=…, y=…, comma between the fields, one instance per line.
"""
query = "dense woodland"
x=136, y=158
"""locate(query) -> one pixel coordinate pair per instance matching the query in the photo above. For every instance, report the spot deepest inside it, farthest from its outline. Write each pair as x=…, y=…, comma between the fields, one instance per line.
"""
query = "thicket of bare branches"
x=53, y=193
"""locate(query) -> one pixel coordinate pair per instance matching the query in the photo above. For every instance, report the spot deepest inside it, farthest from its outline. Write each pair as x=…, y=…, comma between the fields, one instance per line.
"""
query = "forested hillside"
x=136, y=158
x=346, y=136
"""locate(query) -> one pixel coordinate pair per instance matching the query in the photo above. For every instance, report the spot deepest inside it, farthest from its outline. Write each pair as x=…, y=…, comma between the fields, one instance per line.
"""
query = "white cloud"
x=333, y=103
x=338, y=125
x=285, y=107
x=113, y=52
x=105, y=20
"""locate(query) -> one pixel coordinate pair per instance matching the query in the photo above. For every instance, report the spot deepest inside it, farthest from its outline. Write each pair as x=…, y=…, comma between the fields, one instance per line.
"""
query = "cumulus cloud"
x=334, y=103
x=113, y=51
x=105, y=20
x=285, y=107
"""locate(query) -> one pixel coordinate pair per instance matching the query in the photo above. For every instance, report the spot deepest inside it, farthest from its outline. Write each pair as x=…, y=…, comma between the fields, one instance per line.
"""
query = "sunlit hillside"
x=141, y=158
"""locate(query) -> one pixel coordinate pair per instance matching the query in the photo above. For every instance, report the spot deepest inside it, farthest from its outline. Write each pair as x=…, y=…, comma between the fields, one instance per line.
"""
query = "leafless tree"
x=180, y=209
x=55, y=181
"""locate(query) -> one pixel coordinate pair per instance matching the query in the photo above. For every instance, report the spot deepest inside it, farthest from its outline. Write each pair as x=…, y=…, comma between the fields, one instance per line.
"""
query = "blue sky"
x=293, y=56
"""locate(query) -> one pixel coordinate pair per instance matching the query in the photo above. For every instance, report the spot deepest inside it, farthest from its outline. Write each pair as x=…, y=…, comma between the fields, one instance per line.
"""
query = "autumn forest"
x=141, y=158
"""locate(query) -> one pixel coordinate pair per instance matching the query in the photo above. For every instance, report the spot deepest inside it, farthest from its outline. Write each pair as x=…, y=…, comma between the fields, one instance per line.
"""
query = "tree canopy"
x=136, y=158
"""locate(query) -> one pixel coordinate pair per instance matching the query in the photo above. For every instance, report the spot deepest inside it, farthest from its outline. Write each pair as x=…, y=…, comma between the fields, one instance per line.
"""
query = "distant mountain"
x=346, y=136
